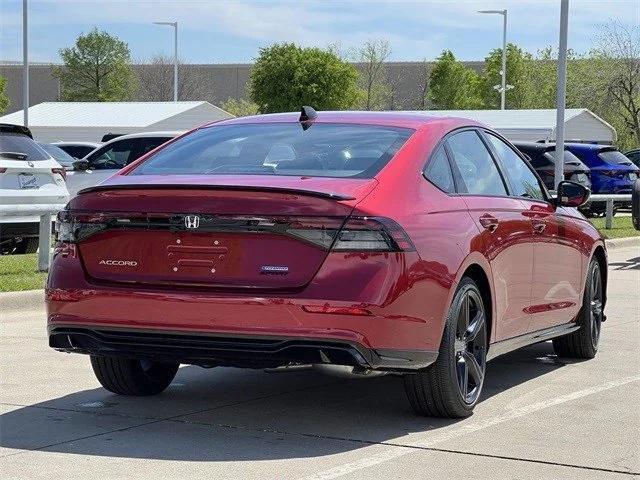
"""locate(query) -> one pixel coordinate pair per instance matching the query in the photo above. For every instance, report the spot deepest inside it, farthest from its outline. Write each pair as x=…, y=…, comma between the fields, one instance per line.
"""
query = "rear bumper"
x=226, y=350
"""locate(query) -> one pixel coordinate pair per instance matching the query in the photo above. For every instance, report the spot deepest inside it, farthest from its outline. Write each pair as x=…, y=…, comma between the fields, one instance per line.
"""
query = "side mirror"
x=571, y=194
x=81, y=165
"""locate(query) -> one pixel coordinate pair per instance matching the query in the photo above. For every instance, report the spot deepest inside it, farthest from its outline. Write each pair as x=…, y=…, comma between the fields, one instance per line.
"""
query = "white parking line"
x=399, y=451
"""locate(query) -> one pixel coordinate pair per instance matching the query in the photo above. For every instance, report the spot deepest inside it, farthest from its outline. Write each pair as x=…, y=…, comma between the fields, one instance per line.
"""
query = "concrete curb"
x=11, y=302
x=625, y=242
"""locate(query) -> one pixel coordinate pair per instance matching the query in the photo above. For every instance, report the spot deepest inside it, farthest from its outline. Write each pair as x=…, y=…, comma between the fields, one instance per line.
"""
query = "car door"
x=557, y=257
x=505, y=230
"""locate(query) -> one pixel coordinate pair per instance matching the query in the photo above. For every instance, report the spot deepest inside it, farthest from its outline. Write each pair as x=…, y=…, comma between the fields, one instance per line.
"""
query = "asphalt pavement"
x=540, y=417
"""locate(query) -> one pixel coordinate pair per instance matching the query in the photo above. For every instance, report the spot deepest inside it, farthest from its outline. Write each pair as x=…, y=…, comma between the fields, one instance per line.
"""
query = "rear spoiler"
x=11, y=128
x=253, y=188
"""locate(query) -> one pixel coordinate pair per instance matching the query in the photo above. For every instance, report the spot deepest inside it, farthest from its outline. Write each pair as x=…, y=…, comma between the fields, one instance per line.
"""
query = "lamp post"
x=561, y=93
x=25, y=64
x=503, y=87
x=175, y=56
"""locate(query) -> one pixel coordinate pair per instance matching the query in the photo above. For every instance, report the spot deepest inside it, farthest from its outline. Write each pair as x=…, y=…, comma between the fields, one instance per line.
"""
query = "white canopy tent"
x=535, y=125
x=89, y=121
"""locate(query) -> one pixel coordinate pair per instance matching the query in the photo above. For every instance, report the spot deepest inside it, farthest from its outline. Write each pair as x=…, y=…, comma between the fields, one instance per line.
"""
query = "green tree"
x=96, y=69
x=453, y=86
x=239, y=107
x=4, y=98
x=286, y=76
x=518, y=64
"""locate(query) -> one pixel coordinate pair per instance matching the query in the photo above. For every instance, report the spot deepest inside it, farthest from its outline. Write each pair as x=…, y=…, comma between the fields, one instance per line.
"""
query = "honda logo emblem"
x=192, y=221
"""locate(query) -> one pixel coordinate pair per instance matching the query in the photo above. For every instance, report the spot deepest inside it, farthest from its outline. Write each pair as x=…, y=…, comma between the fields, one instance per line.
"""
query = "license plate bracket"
x=27, y=180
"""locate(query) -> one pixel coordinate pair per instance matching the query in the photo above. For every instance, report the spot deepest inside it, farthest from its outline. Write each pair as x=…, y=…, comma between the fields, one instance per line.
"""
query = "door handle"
x=489, y=222
x=538, y=226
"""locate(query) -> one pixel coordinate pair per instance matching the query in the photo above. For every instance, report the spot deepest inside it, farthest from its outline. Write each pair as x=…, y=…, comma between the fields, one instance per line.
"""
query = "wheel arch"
x=477, y=267
x=600, y=255
x=480, y=277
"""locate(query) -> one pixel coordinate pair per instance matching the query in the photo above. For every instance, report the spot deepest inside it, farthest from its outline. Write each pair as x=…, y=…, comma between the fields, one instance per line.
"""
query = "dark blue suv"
x=611, y=171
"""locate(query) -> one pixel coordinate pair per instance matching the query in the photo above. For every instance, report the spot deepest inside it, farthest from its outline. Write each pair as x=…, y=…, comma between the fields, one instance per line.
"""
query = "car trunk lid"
x=237, y=233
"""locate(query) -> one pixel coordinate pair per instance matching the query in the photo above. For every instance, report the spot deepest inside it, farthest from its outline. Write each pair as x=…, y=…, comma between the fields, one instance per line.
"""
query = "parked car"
x=634, y=156
x=611, y=171
x=542, y=159
x=78, y=149
x=371, y=242
x=111, y=156
x=28, y=176
x=60, y=156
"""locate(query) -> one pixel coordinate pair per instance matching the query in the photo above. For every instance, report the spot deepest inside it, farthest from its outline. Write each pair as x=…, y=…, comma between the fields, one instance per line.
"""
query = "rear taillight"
x=72, y=228
x=612, y=173
x=356, y=234
x=60, y=171
x=372, y=234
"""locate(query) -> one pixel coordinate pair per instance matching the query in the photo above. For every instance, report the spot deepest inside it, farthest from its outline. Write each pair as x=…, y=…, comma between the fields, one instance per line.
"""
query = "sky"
x=233, y=31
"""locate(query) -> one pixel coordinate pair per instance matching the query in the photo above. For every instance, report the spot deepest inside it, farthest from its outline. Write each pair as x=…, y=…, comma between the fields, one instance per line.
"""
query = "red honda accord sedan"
x=379, y=242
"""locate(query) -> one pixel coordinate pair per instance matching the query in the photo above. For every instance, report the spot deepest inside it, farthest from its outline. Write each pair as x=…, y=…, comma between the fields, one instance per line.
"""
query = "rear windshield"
x=568, y=157
x=322, y=150
x=614, y=156
x=57, y=153
x=17, y=143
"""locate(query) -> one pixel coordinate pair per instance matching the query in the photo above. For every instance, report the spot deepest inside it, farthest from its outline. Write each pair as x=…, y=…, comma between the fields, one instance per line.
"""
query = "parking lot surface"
x=540, y=417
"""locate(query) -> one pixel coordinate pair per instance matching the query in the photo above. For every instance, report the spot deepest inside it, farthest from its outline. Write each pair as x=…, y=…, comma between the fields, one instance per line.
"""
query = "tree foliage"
x=286, y=76
x=452, y=85
x=4, y=98
x=239, y=107
x=518, y=65
x=155, y=80
x=371, y=58
x=96, y=69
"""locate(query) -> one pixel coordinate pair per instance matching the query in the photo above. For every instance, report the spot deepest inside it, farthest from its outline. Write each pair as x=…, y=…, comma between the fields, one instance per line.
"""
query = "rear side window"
x=614, y=156
x=18, y=143
x=322, y=150
x=438, y=171
x=478, y=171
x=523, y=181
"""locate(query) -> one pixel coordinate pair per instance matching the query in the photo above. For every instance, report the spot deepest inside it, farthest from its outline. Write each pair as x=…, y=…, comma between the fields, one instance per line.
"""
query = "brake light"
x=372, y=234
x=60, y=171
x=612, y=173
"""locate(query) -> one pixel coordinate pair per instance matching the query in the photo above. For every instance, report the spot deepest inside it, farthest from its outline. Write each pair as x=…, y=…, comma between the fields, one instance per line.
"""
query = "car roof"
x=589, y=146
x=79, y=144
x=396, y=119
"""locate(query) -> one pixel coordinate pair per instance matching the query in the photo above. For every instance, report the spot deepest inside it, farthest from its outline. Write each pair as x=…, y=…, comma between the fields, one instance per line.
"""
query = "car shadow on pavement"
x=630, y=264
x=228, y=414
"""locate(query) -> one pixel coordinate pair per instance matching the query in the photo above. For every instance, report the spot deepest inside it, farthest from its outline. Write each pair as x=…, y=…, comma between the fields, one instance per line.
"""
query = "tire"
x=133, y=377
x=583, y=343
x=635, y=204
x=27, y=245
x=437, y=390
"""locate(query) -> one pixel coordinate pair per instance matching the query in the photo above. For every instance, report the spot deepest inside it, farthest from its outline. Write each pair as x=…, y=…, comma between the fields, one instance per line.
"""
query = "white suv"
x=29, y=177
x=112, y=156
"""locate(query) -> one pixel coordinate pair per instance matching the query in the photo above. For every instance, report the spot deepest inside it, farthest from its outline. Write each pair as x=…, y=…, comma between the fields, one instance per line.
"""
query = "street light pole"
x=561, y=99
x=25, y=64
x=503, y=86
x=175, y=56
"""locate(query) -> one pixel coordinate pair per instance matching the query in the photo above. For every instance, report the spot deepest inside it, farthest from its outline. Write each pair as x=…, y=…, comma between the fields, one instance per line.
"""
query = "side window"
x=524, y=182
x=478, y=171
x=146, y=145
x=112, y=156
x=438, y=171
